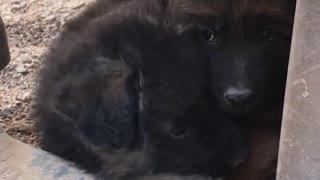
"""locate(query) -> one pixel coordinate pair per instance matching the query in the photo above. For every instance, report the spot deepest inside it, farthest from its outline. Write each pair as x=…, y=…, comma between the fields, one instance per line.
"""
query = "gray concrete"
x=299, y=156
x=19, y=161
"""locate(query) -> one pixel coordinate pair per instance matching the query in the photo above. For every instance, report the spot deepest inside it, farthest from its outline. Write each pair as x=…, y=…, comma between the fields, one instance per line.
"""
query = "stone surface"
x=299, y=156
x=19, y=161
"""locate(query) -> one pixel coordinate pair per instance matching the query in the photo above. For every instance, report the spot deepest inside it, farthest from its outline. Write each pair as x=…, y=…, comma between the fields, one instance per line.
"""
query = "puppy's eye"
x=267, y=35
x=208, y=35
x=180, y=132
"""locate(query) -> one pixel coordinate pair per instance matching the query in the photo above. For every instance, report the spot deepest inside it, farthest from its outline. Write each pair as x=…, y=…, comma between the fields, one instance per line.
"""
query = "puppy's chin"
x=254, y=108
x=238, y=111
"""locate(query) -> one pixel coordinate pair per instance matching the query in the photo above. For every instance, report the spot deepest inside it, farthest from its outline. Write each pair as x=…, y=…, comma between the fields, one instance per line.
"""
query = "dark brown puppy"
x=4, y=48
x=125, y=93
x=250, y=56
x=249, y=68
x=254, y=51
x=249, y=41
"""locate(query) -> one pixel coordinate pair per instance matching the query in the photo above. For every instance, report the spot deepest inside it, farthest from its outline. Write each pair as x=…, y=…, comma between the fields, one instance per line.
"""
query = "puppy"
x=248, y=71
x=125, y=94
x=249, y=43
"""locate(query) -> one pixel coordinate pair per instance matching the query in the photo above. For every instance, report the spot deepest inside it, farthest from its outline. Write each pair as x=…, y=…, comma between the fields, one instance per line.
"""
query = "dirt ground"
x=30, y=25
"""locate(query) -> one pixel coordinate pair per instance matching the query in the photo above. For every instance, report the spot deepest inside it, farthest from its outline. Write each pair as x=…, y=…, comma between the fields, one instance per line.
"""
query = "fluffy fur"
x=249, y=42
x=249, y=63
x=124, y=92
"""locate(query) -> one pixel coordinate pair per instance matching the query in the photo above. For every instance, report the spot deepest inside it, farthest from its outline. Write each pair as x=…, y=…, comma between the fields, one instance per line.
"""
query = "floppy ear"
x=99, y=101
x=109, y=117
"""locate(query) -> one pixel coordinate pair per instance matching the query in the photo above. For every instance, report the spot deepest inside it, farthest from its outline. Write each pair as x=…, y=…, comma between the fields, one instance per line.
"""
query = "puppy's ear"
x=101, y=102
x=110, y=115
x=109, y=125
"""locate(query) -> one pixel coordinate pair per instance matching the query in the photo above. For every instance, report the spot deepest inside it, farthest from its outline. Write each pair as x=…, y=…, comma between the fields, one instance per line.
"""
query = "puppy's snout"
x=237, y=97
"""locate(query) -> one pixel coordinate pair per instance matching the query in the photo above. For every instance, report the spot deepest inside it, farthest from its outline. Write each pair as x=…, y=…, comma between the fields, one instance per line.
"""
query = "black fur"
x=249, y=42
x=125, y=93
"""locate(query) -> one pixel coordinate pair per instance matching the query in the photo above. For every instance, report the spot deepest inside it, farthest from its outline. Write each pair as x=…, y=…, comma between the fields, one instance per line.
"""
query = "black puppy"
x=249, y=41
x=124, y=93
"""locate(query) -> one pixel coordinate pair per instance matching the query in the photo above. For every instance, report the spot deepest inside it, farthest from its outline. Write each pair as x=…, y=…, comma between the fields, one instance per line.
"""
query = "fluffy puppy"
x=125, y=93
x=249, y=42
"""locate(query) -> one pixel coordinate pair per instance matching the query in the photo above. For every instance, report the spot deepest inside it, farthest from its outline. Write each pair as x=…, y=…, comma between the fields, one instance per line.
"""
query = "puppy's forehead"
x=198, y=7
x=269, y=8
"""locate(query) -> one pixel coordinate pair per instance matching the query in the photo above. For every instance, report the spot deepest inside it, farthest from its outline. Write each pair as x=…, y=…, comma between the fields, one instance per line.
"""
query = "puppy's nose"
x=238, y=96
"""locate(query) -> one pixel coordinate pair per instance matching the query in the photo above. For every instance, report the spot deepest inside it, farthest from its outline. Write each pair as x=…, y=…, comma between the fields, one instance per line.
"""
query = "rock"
x=7, y=19
x=26, y=97
x=17, y=7
x=15, y=2
x=25, y=59
x=22, y=69
x=50, y=19
x=24, y=128
x=8, y=112
x=20, y=128
x=18, y=103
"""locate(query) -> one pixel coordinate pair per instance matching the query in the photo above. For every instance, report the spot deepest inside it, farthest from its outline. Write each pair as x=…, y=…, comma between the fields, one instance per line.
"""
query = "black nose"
x=238, y=97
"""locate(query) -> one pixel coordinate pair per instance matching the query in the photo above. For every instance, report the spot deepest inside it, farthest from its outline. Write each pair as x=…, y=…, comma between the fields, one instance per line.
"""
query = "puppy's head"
x=249, y=42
